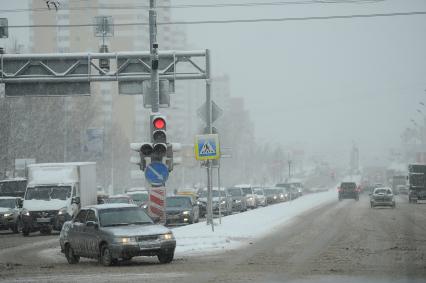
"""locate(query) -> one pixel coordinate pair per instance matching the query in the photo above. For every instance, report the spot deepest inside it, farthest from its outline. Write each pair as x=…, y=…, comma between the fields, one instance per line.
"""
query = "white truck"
x=55, y=192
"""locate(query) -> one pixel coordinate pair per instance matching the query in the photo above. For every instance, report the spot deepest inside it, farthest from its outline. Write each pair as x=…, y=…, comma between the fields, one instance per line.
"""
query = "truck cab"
x=54, y=194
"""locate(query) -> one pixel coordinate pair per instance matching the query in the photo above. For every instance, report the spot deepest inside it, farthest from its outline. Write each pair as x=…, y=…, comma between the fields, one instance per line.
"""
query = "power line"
x=415, y=13
x=186, y=6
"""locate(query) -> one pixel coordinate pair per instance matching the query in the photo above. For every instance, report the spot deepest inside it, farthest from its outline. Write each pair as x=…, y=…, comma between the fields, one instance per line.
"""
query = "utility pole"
x=209, y=127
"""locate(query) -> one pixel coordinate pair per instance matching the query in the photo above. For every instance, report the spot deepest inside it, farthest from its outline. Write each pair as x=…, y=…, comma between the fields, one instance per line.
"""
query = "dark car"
x=110, y=232
x=9, y=213
x=218, y=197
x=238, y=199
x=382, y=197
x=181, y=210
x=119, y=199
x=348, y=190
x=139, y=197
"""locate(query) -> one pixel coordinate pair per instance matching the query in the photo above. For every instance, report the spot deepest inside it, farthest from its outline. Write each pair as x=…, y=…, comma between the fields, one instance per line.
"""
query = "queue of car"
x=119, y=227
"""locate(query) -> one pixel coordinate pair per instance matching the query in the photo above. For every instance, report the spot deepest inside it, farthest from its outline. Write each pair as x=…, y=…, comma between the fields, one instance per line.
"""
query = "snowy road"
x=332, y=242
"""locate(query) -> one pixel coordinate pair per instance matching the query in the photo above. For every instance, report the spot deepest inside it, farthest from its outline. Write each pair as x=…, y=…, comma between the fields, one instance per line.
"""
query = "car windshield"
x=258, y=192
x=349, y=186
x=381, y=191
x=139, y=197
x=117, y=200
x=234, y=192
x=14, y=188
x=7, y=203
x=178, y=202
x=123, y=216
x=48, y=193
x=247, y=191
x=215, y=194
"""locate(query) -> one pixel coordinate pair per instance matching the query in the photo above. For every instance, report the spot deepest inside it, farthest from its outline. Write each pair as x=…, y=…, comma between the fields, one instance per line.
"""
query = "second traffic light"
x=158, y=137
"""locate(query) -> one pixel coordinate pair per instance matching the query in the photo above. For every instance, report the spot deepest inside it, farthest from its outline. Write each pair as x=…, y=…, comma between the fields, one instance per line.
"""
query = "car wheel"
x=72, y=258
x=106, y=256
x=25, y=231
x=165, y=257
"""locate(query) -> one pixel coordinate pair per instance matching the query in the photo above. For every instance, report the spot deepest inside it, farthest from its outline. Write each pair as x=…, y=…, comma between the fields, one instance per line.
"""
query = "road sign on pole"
x=207, y=147
x=156, y=173
x=216, y=112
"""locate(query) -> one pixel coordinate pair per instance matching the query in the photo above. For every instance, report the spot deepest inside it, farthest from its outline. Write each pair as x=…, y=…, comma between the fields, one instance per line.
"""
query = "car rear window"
x=348, y=186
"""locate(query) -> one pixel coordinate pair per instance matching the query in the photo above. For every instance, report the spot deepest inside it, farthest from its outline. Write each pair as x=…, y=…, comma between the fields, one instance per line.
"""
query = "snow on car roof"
x=243, y=186
x=137, y=192
x=9, y=197
x=14, y=179
x=111, y=205
x=119, y=196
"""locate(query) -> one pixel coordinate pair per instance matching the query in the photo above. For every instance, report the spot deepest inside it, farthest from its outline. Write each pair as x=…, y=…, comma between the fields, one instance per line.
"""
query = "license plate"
x=173, y=217
x=149, y=245
x=43, y=220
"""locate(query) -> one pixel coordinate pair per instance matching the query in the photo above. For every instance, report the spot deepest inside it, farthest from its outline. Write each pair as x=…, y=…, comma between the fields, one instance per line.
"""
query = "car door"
x=76, y=232
x=91, y=234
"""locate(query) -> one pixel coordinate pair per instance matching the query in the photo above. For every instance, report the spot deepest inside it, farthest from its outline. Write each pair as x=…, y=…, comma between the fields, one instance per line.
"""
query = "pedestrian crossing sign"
x=207, y=147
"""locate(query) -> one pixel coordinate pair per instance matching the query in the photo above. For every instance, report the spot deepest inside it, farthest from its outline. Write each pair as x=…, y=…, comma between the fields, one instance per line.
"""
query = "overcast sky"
x=319, y=84
x=325, y=84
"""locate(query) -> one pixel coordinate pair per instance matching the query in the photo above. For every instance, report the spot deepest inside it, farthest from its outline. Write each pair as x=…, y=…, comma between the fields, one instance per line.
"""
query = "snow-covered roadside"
x=239, y=229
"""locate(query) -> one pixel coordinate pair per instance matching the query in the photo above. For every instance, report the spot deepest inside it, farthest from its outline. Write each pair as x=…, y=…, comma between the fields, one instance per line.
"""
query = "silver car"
x=9, y=213
x=382, y=197
x=109, y=232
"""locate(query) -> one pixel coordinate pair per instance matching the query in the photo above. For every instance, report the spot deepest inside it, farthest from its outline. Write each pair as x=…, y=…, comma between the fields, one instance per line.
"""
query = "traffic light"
x=170, y=159
x=145, y=150
x=158, y=137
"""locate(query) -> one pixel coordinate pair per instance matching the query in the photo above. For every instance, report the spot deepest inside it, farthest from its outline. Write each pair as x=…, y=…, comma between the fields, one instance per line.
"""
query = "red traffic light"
x=159, y=123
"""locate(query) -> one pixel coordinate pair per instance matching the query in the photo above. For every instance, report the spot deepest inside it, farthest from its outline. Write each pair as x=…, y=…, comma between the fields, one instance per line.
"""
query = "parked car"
x=260, y=195
x=221, y=197
x=119, y=199
x=110, y=232
x=140, y=198
x=248, y=195
x=9, y=213
x=238, y=200
x=181, y=210
x=348, y=190
x=382, y=197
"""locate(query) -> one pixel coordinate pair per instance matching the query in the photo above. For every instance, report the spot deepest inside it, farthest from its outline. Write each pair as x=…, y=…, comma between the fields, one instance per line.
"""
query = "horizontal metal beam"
x=85, y=67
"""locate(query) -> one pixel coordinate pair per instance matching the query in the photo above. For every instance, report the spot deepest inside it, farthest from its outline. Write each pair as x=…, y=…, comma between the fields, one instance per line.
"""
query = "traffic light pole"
x=153, y=47
x=154, y=89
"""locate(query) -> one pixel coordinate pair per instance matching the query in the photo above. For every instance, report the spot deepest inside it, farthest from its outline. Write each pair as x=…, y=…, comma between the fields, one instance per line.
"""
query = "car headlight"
x=167, y=236
x=275, y=197
x=237, y=201
x=186, y=212
x=62, y=211
x=25, y=212
x=223, y=202
x=7, y=214
x=126, y=240
x=250, y=198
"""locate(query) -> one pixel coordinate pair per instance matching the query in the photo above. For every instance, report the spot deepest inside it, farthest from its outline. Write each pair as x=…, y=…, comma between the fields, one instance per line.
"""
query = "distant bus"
x=13, y=187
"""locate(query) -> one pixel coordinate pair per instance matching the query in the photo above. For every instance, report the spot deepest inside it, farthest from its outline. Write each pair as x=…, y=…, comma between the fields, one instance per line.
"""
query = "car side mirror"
x=92, y=224
x=75, y=200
